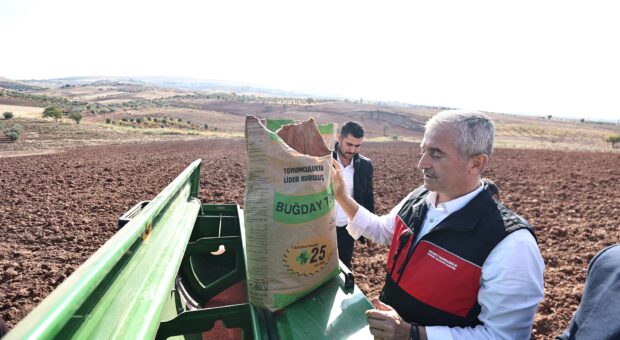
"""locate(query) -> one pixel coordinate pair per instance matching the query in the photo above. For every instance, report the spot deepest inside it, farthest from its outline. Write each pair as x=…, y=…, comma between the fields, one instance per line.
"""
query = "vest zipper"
x=401, y=245
x=423, y=208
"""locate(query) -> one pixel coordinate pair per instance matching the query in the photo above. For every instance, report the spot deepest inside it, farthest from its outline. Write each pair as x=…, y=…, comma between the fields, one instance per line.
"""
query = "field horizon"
x=119, y=111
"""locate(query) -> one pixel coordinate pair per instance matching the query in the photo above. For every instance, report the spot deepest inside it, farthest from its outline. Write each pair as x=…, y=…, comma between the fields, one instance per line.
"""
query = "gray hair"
x=474, y=131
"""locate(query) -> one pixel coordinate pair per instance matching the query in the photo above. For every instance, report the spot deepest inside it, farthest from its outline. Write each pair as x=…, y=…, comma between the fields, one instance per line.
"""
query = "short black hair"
x=352, y=128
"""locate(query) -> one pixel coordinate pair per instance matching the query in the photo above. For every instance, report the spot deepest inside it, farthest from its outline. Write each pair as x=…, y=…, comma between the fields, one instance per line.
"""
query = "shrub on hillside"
x=206, y=125
x=613, y=139
x=8, y=115
x=76, y=116
x=138, y=120
x=52, y=112
x=108, y=120
x=13, y=132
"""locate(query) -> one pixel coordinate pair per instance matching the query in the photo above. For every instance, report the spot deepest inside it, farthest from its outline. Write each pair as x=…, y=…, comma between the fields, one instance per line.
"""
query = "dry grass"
x=30, y=112
x=226, y=120
x=167, y=131
x=42, y=136
x=556, y=136
x=415, y=139
x=535, y=130
x=107, y=94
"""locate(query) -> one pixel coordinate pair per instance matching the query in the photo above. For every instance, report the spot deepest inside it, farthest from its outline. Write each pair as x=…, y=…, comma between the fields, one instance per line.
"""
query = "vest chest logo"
x=450, y=264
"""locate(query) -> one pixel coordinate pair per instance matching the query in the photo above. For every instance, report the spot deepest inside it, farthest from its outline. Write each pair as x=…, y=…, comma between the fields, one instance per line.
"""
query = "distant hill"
x=180, y=83
x=222, y=106
x=9, y=84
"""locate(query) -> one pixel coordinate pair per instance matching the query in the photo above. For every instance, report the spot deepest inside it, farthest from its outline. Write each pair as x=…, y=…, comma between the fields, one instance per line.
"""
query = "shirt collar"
x=453, y=205
x=340, y=162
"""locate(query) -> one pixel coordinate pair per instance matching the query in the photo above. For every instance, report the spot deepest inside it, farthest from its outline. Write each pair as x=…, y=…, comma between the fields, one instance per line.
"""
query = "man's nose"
x=423, y=162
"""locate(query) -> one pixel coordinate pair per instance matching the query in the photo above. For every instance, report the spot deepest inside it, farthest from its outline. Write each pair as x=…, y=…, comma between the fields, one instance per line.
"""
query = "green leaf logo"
x=302, y=258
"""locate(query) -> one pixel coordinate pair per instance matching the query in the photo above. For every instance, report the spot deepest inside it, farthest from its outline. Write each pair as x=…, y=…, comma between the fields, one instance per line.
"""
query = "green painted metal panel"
x=330, y=312
x=241, y=316
x=121, y=290
x=207, y=275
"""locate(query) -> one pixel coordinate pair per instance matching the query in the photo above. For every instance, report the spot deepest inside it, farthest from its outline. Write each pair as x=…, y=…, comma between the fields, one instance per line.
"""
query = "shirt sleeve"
x=511, y=288
x=378, y=229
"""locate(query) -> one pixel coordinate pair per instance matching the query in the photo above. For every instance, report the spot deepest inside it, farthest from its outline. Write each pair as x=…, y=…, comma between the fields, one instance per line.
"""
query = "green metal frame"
x=243, y=316
x=152, y=277
x=121, y=291
x=207, y=275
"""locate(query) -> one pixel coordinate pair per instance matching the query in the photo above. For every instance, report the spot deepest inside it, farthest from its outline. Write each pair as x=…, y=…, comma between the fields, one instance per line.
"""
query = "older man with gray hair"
x=461, y=265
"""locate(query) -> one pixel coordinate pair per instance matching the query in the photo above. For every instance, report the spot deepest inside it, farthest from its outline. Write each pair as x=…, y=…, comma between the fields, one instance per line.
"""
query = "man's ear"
x=477, y=163
x=339, y=138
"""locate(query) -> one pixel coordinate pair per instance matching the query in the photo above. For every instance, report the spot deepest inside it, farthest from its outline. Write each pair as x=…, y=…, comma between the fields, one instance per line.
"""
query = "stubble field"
x=57, y=209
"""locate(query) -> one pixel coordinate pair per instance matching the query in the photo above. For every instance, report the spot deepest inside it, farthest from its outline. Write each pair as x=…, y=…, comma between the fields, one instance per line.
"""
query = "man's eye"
x=435, y=154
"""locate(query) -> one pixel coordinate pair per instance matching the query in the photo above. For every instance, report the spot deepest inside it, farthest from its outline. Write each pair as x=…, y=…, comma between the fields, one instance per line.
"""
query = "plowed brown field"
x=57, y=209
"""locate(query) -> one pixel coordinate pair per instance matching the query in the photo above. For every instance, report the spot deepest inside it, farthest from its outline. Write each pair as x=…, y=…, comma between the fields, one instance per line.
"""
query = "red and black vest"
x=436, y=281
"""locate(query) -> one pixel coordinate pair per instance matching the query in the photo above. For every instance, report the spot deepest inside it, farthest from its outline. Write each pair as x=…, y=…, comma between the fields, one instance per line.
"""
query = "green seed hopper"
x=176, y=269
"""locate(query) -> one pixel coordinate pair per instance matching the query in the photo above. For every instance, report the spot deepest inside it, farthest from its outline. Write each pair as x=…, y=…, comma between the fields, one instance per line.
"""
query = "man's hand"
x=385, y=323
x=341, y=195
x=340, y=187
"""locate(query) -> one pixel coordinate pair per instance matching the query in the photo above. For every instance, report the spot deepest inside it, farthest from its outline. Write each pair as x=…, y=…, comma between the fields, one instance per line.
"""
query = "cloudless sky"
x=534, y=57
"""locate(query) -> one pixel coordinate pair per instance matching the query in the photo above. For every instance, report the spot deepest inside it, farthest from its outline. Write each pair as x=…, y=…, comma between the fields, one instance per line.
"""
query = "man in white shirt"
x=357, y=172
x=461, y=265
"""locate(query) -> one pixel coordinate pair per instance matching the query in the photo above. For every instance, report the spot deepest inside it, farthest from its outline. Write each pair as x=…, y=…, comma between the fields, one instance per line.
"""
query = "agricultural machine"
x=176, y=269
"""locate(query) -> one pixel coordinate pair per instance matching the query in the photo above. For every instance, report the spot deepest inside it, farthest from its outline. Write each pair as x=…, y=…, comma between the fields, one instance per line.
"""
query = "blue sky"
x=534, y=57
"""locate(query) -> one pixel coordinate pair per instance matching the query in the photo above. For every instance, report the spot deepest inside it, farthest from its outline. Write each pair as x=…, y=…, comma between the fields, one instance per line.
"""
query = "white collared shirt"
x=347, y=173
x=436, y=214
x=511, y=284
